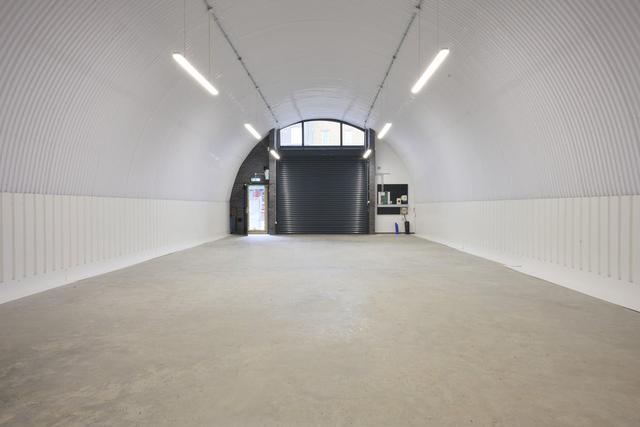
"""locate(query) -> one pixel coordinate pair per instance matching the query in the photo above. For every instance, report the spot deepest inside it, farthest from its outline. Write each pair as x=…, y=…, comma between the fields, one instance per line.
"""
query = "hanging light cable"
x=437, y=60
x=394, y=57
x=225, y=35
x=181, y=59
x=209, y=40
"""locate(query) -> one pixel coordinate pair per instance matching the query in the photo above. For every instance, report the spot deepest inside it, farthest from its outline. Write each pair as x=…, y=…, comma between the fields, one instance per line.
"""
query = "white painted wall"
x=589, y=244
x=48, y=241
x=387, y=161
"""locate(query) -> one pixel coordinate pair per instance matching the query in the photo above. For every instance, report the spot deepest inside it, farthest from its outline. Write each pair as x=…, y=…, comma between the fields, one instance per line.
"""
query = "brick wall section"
x=255, y=162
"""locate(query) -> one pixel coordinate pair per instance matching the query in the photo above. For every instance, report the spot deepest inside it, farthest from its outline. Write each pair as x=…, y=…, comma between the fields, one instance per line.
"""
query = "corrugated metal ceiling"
x=537, y=99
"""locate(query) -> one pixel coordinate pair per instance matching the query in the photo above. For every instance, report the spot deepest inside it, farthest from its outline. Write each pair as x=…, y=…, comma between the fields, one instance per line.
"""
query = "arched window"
x=321, y=133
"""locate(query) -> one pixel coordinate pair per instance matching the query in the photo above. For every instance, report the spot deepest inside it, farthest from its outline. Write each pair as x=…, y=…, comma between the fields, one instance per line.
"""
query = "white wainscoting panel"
x=48, y=240
x=591, y=244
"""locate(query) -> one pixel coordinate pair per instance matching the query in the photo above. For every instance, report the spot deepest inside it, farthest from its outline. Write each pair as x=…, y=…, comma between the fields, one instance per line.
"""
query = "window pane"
x=352, y=136
x=321, y=133
x=257, y=208
x=291, y=136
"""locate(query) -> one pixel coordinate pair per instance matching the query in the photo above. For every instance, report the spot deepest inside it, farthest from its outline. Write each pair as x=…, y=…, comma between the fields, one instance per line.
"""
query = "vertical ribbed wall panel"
x=588, y=244
x=49, y=240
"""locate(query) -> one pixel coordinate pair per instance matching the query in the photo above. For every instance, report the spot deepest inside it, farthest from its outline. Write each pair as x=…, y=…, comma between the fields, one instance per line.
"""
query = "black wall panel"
x=322, y=194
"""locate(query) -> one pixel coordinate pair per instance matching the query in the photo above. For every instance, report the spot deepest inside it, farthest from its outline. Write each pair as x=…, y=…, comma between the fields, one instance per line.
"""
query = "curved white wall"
x=537, y=99
x=93, y=103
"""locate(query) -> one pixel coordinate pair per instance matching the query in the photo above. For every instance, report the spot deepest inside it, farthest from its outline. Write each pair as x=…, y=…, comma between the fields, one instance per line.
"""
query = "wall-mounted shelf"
x=394, y=192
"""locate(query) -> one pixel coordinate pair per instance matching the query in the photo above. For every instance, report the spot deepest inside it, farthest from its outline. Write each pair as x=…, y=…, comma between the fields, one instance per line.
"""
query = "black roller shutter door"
x=322, y=194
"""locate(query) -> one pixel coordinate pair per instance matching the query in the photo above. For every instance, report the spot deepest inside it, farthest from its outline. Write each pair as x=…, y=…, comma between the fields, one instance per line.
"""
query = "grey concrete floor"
x=327, y=330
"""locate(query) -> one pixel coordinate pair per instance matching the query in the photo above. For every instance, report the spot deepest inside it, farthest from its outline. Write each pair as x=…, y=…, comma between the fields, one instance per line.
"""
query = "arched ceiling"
x=537, y=99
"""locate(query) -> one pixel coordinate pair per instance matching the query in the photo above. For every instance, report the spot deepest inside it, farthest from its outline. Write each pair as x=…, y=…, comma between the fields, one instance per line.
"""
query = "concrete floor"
x=327, y=330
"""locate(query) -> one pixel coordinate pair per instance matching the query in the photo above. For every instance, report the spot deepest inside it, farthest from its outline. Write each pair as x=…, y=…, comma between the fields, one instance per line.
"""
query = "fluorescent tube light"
x=182, y=61
x=384, y=130
x=252, y=131
x=366, y=154
x=431, y=69
x=275, y=154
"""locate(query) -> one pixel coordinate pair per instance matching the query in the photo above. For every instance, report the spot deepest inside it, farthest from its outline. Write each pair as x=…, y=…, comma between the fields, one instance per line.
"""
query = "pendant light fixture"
x=437, y=60
x=181, y=59
x=430, y=71
x=252, y=131
x=384, y=130
x=275, y=154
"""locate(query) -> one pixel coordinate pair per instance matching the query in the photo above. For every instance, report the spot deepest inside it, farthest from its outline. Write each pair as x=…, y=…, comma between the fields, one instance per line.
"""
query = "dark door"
x=322, y=194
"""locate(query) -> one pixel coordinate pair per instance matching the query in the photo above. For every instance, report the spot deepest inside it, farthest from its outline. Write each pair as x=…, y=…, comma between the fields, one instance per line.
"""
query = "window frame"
x=304, y=146
x=291, y=146
x=364, y=136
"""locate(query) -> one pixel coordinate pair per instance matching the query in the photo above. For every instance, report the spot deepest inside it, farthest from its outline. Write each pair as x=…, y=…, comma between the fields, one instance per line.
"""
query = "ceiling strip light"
x=366, y=154
x=431, y=69
x=275, y=154
x=384, y=130
x=252, y=131
x=182, y=61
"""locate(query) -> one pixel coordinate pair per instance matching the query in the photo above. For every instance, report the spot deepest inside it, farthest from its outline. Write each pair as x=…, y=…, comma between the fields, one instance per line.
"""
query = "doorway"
x=257, y=209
